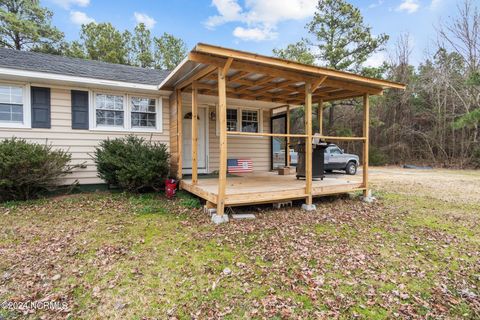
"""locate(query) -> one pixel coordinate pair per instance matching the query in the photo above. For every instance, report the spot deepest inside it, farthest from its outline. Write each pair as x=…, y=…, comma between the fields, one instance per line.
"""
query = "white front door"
x=202, y=140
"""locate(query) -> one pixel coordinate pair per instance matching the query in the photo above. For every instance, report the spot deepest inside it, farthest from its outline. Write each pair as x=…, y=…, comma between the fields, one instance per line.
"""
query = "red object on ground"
x=170, y=188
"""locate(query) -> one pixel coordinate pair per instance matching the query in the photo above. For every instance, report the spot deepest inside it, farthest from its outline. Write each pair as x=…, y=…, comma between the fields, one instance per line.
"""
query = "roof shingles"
x=42, y=62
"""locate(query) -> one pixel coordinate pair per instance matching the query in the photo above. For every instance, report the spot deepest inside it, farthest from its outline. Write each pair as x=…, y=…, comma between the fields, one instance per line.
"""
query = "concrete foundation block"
x=309, y=207
x=368, y=198
x=218, y=219
x=279, y=205
x=240, y=216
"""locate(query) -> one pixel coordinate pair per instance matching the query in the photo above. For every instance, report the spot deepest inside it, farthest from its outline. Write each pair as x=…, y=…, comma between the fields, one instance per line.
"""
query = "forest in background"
x=435, y=121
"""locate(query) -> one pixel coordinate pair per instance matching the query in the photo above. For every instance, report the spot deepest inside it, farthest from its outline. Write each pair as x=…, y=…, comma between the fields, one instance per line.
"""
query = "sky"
x=254, y=25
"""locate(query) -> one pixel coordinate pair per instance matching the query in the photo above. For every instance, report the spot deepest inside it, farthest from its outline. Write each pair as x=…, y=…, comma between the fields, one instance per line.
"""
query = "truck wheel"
x=351, y=168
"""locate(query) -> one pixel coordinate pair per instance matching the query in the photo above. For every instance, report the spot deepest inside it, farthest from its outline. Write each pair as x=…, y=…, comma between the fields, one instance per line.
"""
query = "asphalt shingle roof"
x=42, y=62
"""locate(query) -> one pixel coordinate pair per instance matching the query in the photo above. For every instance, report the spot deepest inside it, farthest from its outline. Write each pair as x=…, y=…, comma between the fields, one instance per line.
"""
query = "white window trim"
x=127, y=114
x=27, y=117
x=239, y=119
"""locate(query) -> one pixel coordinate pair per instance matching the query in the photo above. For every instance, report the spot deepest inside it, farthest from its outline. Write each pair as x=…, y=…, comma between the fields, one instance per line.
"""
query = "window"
x=249, y=121
x=11, y=104
x=335, y=151
x=144, y=113
x=126, y=112
x=109, y=110
x=232, y=121
x=242, y=120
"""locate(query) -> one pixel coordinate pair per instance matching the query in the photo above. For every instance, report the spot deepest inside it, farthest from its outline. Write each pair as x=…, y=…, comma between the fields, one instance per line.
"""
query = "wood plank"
x=366, y=124
x=179, y=135
x=308, y=142
x=320, y=117
x=194, y=134
x=287, y=153
x=222, y=116
x=195, y=77
x=265, y=134
x=277, y=62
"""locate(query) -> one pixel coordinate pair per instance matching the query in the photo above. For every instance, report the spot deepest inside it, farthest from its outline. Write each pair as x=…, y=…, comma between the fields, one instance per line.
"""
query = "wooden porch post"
x=366, y=123
x=308, y=142
x=320, y=117
x=179, y=134
x=287, y=152
x=222, y=117
x=194, y=133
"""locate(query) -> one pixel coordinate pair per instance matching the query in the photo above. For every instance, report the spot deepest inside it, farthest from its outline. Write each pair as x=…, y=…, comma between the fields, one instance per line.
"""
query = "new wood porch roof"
x=257, y=77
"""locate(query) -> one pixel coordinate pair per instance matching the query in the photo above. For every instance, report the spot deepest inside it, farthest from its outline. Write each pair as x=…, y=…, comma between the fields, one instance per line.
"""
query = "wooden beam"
x=206, y=49
x=334, y=138
x=194, y=134
x=238, y=76
x=227, y=65
x=308, y=142
x=317, y=83
x=265, y=134
x=287, y=152
x=195, y=77
x=352, y=86
x=222, y=116
x=366, y=124
x=253, y=68
x=179, y=134
x=320, y=117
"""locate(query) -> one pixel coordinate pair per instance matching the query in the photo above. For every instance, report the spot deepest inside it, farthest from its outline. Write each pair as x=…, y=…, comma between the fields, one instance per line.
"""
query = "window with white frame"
x=242, y=120
x=250, y=120
x=143, y=112
x=232, y=120
x=126, y=112
x=109, y=110
x=11, y=104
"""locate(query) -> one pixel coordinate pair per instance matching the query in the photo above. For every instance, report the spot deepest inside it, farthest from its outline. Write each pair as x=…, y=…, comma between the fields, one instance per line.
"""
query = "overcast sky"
x=252, y=25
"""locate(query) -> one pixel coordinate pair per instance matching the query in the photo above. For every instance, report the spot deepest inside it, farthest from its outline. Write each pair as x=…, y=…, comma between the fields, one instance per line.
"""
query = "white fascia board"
x=39, y=76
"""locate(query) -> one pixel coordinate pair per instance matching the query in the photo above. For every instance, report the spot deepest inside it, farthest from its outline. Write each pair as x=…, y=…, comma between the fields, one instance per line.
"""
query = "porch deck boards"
x=266, y=187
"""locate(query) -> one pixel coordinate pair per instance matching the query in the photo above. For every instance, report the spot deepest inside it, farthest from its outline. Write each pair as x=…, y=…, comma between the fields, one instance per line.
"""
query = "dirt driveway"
x=443, y=184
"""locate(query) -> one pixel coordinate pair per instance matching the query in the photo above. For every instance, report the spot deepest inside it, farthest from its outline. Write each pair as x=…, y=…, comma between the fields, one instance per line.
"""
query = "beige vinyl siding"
x=80, y=143
x=255, y=148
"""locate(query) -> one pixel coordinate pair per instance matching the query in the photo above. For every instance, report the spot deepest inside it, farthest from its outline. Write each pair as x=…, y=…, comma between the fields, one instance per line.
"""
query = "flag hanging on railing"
x=239, y=165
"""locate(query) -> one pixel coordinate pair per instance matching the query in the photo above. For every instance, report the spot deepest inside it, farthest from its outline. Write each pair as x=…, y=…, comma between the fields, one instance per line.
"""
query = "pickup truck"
x=337, y=159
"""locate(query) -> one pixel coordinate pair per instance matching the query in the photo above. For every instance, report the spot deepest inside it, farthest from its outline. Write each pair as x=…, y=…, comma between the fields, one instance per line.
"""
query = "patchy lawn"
x=413, y=254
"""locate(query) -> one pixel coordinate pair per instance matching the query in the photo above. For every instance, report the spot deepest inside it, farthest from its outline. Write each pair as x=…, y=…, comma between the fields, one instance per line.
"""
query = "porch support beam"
x=287, y=152
x=179, y=134
x=222, y=116
x=366, y=122
x=194, y=134
x=320, y=117
x=308, y=142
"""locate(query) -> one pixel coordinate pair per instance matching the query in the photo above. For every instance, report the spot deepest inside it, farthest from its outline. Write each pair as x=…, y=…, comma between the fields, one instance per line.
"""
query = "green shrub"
x=132, y=163
x=28, y=170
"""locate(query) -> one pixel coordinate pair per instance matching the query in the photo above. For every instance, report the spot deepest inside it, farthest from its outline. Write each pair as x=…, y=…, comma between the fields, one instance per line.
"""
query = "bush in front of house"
x=28, y=170
x=132, y=163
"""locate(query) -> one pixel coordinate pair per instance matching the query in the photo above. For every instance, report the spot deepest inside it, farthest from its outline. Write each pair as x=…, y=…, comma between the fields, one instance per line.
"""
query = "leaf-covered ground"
x=412, y=254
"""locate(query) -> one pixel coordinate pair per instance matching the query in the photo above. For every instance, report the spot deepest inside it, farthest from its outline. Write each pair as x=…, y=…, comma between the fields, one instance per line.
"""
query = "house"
x=218, y=104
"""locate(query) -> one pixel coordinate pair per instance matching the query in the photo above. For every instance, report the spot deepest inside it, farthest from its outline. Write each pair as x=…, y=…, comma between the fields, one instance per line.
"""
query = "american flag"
x=239, y=165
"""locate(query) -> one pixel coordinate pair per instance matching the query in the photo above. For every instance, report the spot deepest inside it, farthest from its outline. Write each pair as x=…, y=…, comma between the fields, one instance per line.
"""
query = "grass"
x=143, y=256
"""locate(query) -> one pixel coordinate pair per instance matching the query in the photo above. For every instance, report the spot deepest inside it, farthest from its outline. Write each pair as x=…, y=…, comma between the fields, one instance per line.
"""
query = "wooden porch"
x=284, y=85
x=269, y=187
